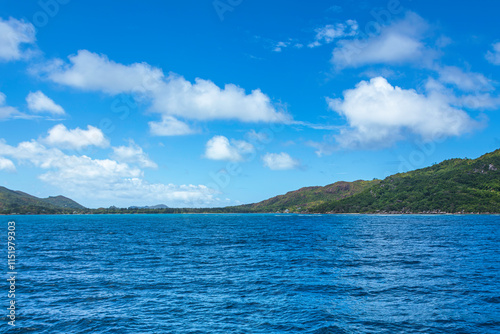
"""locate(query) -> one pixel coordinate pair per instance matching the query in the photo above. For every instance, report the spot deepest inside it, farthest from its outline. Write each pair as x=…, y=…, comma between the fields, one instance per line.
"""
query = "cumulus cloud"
x=93, y=72
x=280, y=161
x=466, y=81
x=330, y=32
x=170, y=126
x=379, y=114
x=64, y=168
x=400, y=42
x=133, y=154
x=103, y=179
x=220, y=148
x=204, y=100
x=38, y=102
x=59, y=136
x=171, y=96
x=14, y=35
x=137, y=190
x=494, y=56
x=7, y=165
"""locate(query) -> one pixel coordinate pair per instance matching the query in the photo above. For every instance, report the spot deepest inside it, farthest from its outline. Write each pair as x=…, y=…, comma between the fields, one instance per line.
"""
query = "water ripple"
x=257, y=274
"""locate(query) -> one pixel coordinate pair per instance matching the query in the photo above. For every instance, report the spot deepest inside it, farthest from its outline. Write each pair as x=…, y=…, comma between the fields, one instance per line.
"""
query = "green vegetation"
x=63, y=202
x=456, y=185
x=17, y=202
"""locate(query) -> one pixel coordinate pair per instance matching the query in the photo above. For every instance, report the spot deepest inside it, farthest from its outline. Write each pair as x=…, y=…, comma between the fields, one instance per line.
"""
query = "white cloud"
x=171, y=96
x=263, y=137
x=315, y=126
x=329, y=33
x=219, y=148
x=479, y=101
x=133, y=154
x=379, y=114
x=170, y=126
x=467, y=81
x=64, y=168
x=7, y=165
x=92, y=72
x=137, y=191
x=322, y=148
x=280, y=45
x=280, y=161
x=13, y=35
x=34, y=101
x=398, y=43
x=475, y=100
x=38, y=102
x=60, y=136
x=8, y=112
x=494, y=56
x=205, y=101
x=83, y=171
x=97, y=180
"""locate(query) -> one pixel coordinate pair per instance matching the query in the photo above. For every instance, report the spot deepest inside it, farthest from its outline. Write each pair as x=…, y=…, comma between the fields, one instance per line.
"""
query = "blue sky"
x=214, y=103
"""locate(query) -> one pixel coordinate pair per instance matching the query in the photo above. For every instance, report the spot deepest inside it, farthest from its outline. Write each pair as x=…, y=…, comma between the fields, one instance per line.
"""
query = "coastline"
x=262, y=213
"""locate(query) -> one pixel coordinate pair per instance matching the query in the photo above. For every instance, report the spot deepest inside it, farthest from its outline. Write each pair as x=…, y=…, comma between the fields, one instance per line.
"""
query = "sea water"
x=254, y=274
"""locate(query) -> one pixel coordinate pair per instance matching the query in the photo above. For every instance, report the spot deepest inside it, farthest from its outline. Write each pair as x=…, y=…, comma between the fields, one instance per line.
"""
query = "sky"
x=213, y=103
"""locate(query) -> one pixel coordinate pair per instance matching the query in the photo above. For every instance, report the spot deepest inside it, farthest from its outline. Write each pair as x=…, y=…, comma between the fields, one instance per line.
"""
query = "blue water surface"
x=254, y=274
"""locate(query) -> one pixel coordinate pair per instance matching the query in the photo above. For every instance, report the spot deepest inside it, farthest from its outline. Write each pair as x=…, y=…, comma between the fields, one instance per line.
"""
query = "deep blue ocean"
x=254, y=274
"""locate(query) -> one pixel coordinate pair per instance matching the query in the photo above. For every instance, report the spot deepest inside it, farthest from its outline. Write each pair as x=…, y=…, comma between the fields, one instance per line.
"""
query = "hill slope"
x=306, y=198
x=456, y=185
x=62, y=202
x=19, y=202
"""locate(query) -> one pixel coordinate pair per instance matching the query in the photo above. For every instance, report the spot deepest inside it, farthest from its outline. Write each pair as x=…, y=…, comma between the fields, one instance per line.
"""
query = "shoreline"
x=258, y=213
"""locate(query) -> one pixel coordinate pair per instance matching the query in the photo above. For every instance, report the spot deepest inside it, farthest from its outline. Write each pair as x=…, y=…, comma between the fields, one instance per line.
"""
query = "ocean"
x=249, y=273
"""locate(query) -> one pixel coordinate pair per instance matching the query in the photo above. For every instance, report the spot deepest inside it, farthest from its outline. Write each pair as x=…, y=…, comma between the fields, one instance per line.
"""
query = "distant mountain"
x=159, y=206
x=452, y=186
x=309, y=197
x=19, y=202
